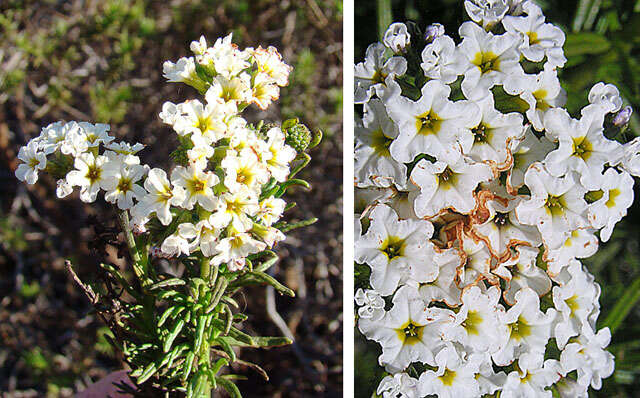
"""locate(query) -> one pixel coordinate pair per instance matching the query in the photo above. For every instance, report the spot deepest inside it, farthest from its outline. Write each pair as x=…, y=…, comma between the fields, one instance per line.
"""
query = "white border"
x=347, y=172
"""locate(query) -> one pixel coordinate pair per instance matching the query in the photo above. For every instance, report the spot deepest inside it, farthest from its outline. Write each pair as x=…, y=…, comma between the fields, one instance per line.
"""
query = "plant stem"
x=139, y=266
x=384, y=16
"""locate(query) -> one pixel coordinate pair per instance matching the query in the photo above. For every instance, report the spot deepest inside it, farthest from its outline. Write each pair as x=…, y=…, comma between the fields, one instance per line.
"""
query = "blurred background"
x=101, y=61
x=603, y=44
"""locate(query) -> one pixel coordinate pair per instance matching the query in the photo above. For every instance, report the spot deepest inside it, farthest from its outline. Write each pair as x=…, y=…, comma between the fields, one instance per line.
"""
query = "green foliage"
x=36, y=360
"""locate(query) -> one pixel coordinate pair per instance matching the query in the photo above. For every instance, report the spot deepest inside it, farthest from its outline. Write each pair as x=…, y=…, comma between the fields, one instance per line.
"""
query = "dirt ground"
x=102, y=61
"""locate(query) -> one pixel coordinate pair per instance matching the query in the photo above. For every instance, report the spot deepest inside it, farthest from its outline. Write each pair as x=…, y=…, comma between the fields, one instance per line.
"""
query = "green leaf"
x=623, y=307
x=202, y=322
x=226, y=347
x=268, y=342
x=177, y=328
x=170, y=312
x=167, y=283
x=149, y=371
x=270, y=280
x=230, y=387
x=188, y=364
x=585, y=43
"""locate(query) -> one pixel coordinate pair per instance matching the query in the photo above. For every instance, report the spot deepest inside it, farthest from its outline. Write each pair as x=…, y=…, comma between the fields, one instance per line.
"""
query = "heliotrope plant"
x=477, y=194
x=216, y=214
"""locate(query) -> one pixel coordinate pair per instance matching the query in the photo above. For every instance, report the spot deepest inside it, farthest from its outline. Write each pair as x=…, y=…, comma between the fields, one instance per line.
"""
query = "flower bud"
x=397, y=37
x=622, y=118
x=433, y=31
x=297, y=134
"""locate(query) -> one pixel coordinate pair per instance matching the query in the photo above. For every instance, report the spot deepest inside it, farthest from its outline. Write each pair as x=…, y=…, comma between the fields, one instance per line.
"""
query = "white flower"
x=235, y=208
x=476, y=324
x=447, y=186
x=569, y=388
x=556, y=205
x=199, y=47
x=491, y=138
x=201, y=235
x=371, y=304
x=89, y=175
x=539, y=39
x=175, y=245
x=542, y=92
x=574, y=301
x=33, y=159
x=525, y=273
x=454, y=377
x=529, y=330
x=502, y=231
x=75, y=141
x=270, y=211
x=399, y=385
x=485, y=59
x=616, y=191
x=444, y=287
x=124, y=148
x=96, y=134
x=630, y=158
x=269, y=61
x=232, y=90
x=244, y=170
x=583, y=146
x=281, y=154
x=477, y=261
x=183, y=71
x=531, y=382
x=397, y=37
x=373, y=161
x=52, y=137
x=408, y=332
x=431, y=125
x=198, y=186
x=233, y=250
x=264, y=90
x=120, y=183
x=372, y=74
x=588, y=356
x=396, y=250
x=225, y=58
x=486, y=13
x=161, y=196
x=607, y=96
x=439, y=60
x=202, y=121
x=582, y=243
x=201, y=152
x=63, y=188
x=525, y=153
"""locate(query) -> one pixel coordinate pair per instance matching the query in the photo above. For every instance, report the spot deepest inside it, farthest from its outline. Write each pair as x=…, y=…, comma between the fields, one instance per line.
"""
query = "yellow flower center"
x=474, y=319
x=519, y=329
x=410, y=333
x=486, y=61
x=381, y=143
x=428, y=123
x=448, y=377
x=392, y=247
x=555, y=205
x=582, y=148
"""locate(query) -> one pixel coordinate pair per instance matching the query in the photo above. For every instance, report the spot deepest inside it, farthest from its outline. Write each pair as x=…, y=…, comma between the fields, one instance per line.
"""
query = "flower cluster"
x=476, y=196
x=224, y=169
x=217, y=210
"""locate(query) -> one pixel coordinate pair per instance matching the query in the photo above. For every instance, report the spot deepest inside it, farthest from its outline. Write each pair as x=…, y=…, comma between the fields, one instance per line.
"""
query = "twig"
x=88, y=291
